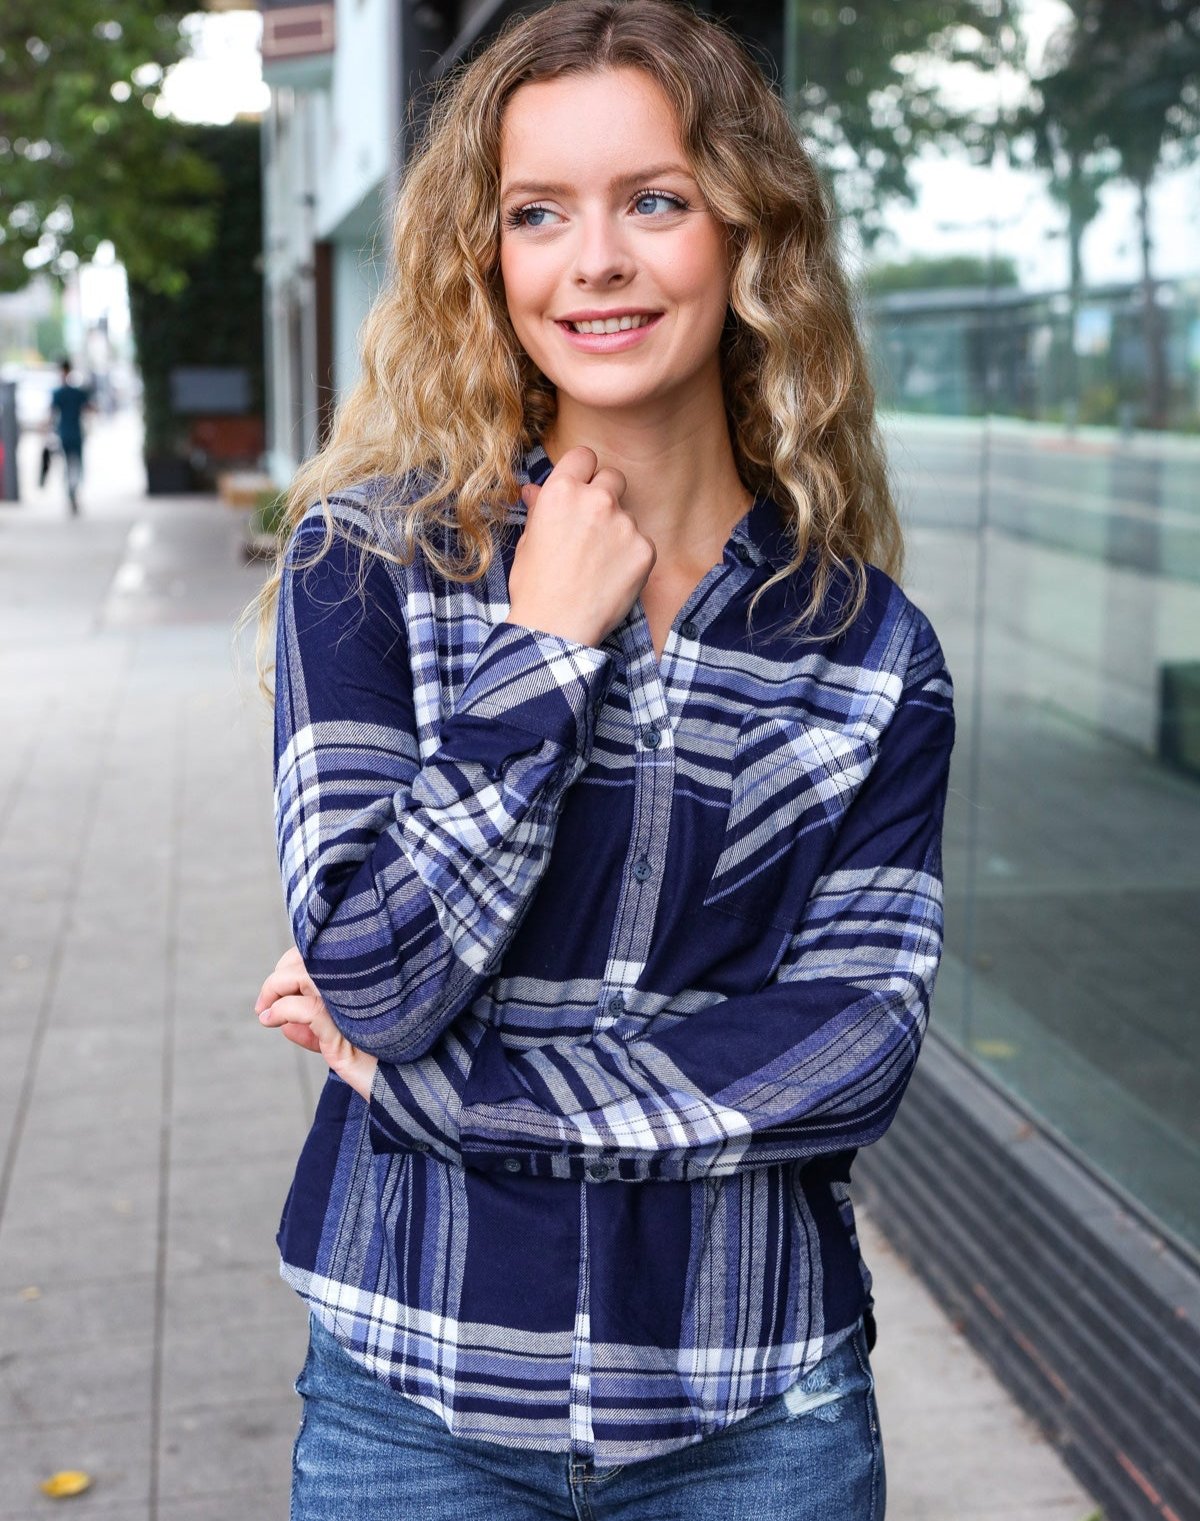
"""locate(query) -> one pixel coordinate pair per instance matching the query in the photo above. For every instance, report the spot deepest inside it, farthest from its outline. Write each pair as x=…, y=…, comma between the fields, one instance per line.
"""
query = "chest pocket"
x=792, y=783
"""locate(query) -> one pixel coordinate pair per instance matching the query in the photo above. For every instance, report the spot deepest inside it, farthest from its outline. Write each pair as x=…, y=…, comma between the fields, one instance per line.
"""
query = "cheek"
x=527, y=287
x=700, y=274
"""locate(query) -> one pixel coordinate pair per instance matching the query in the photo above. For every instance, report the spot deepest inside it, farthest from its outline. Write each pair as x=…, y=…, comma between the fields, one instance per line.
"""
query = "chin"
x=607, y=393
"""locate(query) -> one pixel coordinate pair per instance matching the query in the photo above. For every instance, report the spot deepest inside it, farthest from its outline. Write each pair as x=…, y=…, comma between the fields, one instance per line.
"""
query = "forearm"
x=407, y=874
x=814, y=1063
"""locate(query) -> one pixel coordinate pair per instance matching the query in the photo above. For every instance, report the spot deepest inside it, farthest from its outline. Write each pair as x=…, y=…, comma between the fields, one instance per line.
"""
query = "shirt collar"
x=762, y=529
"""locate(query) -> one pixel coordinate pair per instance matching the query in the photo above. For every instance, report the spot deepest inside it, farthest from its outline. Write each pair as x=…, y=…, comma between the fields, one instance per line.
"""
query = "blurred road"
x=148, y=1126
x=1129, y=501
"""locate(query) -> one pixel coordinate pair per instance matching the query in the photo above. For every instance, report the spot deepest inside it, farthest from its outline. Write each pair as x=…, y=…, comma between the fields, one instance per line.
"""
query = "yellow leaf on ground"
x=70, y=1481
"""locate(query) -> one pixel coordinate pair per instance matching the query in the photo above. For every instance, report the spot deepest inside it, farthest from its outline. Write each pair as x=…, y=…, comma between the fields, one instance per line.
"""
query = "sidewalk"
x=148, y=1125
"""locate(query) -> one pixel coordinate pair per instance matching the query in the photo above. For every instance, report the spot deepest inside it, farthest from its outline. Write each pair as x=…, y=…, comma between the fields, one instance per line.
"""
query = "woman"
x=611, y=764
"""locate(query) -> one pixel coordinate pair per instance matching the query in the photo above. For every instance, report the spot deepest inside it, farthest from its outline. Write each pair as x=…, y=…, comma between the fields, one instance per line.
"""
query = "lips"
x=607, y=333
x=621, y=324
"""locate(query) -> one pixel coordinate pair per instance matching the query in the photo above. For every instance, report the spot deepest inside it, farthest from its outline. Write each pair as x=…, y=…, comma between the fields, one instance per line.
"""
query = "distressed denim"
x=367, y=1453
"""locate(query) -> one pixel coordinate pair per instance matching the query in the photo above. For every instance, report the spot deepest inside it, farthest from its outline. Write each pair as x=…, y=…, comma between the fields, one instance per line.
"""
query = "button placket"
x=651, y=755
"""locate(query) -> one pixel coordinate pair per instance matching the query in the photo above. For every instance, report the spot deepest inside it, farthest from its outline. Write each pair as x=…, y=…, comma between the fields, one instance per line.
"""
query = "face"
x=602, y=226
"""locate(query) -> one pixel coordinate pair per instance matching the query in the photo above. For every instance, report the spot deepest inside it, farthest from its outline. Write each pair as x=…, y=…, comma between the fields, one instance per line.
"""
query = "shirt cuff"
x=543, y=685
x=397, y=1122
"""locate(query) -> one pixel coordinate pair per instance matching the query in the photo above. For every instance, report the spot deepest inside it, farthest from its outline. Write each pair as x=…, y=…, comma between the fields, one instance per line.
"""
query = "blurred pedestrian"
x=610, y=770
x=68, y=403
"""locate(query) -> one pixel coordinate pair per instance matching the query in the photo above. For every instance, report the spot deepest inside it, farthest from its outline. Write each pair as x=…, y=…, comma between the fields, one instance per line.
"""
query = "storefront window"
x=1035, y=326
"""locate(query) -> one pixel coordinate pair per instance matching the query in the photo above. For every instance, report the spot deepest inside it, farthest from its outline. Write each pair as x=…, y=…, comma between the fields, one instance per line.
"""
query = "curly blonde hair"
x=448, y=398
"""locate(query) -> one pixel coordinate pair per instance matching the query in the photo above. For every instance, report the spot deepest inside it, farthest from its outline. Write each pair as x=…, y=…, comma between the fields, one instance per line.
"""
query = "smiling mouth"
x=612, y=324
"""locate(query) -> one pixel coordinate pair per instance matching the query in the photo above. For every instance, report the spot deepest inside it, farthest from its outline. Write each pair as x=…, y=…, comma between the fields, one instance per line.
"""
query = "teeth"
x=610, y=325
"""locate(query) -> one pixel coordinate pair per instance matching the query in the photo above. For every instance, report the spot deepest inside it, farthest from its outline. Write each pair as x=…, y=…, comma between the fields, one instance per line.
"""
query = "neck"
x=683, y=490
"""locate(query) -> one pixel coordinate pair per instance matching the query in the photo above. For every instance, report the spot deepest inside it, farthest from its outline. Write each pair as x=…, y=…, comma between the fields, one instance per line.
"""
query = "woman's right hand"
x=581, y=563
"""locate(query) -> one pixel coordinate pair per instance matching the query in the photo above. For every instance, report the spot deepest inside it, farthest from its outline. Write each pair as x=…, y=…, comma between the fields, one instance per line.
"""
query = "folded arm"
x=406, y=875
x=814, y=1063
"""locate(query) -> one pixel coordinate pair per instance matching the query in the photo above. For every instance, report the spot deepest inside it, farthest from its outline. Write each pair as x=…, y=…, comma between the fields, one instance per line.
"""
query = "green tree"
x=1063, y=123
x=1125, y=99
x=863, y=80
x=1148, y=53
x=217, y=317
x=83, y=156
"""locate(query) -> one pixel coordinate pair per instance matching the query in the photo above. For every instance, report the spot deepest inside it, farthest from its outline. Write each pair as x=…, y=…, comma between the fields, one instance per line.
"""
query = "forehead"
x=587, y=126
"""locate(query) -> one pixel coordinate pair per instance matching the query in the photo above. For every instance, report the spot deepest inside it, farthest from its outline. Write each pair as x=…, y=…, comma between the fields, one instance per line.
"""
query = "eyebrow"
x=641, y=177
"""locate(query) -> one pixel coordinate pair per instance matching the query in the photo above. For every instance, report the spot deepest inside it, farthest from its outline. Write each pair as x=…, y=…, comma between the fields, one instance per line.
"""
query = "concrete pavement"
x=148, y=1126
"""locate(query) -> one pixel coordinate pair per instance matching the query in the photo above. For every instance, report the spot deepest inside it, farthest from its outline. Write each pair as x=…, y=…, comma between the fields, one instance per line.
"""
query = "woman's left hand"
x=289, y=1001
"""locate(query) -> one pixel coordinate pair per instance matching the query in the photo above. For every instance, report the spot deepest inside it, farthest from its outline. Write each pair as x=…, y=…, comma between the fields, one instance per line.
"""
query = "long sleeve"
x=813, y=1063
x=406, y=875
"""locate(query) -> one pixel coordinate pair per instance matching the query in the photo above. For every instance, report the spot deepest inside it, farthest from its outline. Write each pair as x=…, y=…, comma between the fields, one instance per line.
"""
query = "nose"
x=603, y=257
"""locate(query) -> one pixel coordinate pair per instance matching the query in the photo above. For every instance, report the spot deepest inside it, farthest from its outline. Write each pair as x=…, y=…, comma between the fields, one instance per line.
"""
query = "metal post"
x=10, y=433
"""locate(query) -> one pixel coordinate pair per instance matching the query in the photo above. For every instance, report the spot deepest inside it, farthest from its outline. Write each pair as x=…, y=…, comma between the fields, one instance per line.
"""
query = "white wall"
x=326, y=169
x=356, y=279
x=354, y=144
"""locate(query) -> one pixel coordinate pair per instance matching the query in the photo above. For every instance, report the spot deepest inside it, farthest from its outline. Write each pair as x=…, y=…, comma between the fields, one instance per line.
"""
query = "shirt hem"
x=598, y=1452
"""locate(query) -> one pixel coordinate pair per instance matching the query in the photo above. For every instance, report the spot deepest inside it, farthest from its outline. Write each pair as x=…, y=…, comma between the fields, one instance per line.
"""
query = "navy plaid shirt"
x=645, y=949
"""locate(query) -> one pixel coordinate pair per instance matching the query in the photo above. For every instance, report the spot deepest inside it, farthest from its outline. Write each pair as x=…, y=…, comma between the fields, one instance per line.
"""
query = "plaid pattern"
x=646, y=951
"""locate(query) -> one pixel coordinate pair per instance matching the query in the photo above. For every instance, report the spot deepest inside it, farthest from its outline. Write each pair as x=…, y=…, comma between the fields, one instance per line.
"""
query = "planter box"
x=169, y=475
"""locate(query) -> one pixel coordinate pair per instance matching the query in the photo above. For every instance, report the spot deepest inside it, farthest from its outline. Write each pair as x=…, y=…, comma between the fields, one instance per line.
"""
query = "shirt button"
x=511, y=1164
x=616, y=1004
x=598, y=1171
x=641, y=868
x=651, y=736
x=742, y=551
x=689, y=630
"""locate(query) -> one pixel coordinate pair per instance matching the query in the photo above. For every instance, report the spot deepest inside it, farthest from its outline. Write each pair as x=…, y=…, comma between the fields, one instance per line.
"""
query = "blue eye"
x=657, y=200
x=527, y=216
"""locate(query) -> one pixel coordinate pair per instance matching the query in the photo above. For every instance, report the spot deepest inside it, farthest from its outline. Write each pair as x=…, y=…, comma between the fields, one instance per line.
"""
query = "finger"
x=290, y=960
x=579, y=463
x=296, y=1008
x=611, y=479
x=277, y=985
x=301, y=1035
x=530, y=494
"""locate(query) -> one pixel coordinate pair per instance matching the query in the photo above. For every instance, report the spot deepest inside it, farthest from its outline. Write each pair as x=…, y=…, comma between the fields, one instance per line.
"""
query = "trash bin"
x=1179, y=716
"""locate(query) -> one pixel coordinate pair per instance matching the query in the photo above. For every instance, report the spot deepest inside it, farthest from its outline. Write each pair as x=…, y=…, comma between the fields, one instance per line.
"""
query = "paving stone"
x=112, y=1377
x=67, y=1317
x=231, y=1358
x=115, y=1452
x=955, y=1442
x=59, y=1232
x=255, y=1293
x=234, y=1448
x=223, y=1217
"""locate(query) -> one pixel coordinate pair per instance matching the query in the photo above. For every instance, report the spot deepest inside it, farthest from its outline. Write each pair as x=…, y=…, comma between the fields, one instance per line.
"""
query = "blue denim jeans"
x=367, y=1453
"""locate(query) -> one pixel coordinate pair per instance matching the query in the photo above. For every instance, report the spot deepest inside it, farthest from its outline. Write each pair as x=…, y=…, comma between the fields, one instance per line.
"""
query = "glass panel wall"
x=1034, y=313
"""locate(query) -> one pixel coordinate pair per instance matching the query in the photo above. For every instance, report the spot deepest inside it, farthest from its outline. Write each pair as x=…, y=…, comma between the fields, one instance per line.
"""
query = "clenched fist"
x=581, y=563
